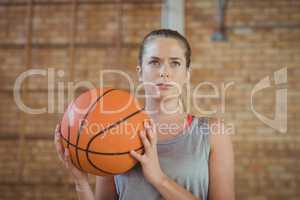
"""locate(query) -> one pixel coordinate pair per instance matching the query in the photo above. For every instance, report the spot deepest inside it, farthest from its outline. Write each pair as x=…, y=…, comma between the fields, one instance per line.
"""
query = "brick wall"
x=263, y=37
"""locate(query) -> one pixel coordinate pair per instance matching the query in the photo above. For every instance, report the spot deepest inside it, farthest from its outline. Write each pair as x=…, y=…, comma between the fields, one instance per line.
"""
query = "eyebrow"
x=172, y=58
x=154, y=57
x=175, y=58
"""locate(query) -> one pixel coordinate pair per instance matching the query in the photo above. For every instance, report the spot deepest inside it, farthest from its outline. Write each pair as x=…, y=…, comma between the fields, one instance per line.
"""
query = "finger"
x=154, y=130
x=70, y=164
x=58, y=143
x=151, y=133
x=59, y=147
x=57, y=128
x=148, y=131
x=136, y=155
x=145, y=141
x=67, y=158
x=57, y=137
x=60, y=152
x=55, y=132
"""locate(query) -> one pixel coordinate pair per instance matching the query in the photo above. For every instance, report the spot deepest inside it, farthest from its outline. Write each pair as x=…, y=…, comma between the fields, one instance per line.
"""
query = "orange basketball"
x=100, y=127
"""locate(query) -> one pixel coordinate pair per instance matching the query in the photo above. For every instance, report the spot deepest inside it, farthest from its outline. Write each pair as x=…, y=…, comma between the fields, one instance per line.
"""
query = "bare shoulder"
x=219, y=138
x=221, y=162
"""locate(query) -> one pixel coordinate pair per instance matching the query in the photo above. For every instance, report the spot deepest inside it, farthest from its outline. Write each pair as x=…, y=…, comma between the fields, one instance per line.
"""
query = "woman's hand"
x=79, y=177
x=149, y=160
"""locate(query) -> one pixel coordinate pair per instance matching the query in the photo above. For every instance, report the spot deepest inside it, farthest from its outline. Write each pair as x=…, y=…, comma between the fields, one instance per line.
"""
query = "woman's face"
x=163, y=71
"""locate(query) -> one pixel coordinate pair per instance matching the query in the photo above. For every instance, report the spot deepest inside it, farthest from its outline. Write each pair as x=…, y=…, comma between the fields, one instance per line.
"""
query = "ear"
x=139, y=72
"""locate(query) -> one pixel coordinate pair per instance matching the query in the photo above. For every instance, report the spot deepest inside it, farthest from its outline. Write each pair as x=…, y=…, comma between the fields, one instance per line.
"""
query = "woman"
x=181, y=160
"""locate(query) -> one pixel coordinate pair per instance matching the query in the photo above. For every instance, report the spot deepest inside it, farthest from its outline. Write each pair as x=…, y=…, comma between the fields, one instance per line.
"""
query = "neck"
x=158, y=108
x=168, y=112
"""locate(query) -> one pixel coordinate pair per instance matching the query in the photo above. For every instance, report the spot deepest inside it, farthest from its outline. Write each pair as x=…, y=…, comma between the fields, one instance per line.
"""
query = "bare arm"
x=221, y=163
x=105, y=189
x=84, y=191
x=80, y=178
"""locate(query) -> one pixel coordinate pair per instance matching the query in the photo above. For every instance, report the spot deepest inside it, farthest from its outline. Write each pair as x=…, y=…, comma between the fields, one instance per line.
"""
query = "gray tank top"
x=183, y=158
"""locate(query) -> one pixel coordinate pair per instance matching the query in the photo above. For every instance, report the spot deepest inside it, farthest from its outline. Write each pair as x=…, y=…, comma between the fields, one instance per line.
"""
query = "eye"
x=175, y=64
x=154, y=63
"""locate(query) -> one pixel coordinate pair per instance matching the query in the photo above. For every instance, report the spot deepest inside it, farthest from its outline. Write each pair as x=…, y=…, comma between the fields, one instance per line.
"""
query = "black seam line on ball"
x=82, y=123
x=68, y=144
x=94, y=152
x=100, y=153
x=106, y=129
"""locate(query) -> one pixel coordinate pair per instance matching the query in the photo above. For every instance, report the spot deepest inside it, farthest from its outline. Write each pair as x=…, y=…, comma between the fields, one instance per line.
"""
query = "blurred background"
x=235, y=42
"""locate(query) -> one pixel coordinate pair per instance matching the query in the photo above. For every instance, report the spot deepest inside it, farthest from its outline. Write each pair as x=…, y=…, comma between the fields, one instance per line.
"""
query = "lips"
x=164, y=85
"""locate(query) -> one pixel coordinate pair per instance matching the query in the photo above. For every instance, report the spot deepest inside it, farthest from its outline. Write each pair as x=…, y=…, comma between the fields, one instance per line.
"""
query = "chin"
x=161, y=94
x=167, y=94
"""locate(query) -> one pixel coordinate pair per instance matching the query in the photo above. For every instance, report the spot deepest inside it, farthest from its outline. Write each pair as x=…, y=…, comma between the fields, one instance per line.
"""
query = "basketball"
x=100, y=128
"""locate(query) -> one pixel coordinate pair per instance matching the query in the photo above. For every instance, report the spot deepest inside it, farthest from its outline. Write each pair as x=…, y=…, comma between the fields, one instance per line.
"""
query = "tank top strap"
x=189, y=119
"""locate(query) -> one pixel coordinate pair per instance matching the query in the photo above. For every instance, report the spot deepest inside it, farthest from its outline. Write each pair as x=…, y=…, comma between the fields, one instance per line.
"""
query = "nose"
x=164, y=72
x=164, y=75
